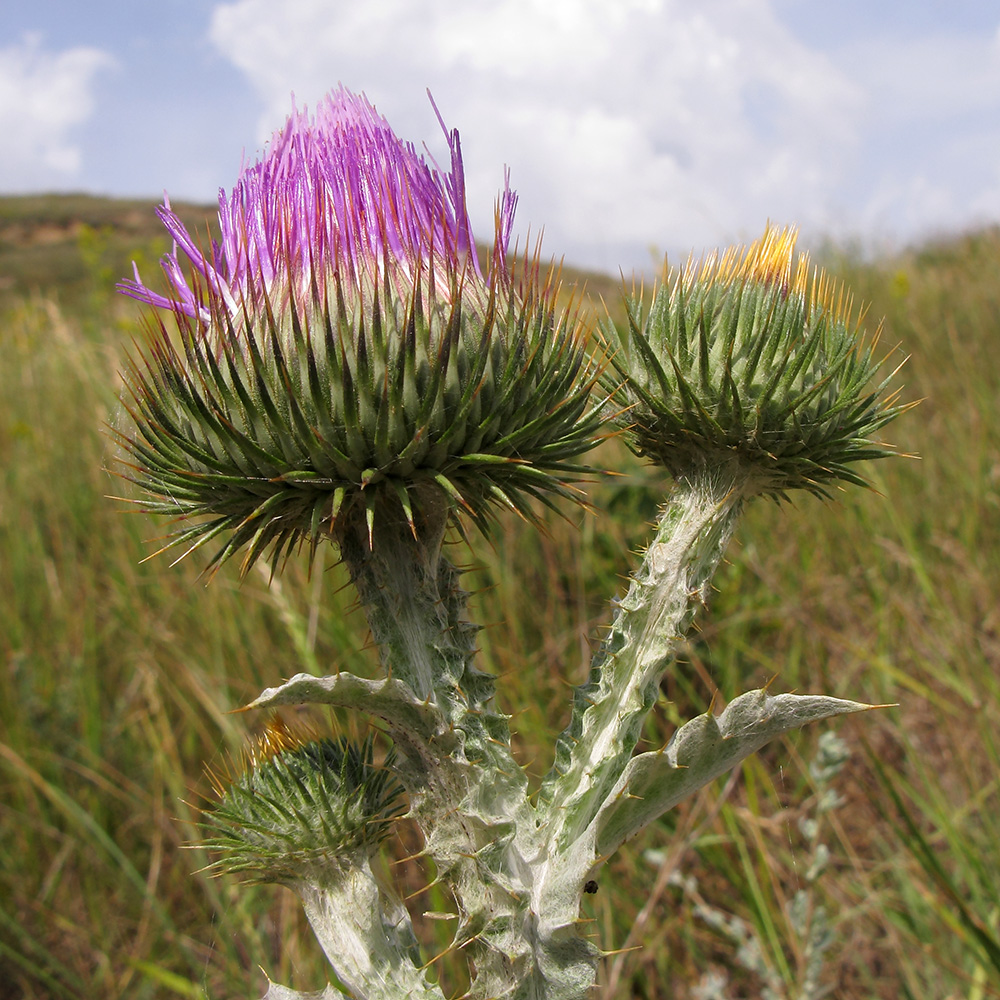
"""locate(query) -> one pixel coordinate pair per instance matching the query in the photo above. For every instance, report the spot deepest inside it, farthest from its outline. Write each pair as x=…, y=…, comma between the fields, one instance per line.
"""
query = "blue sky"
x=630, y=127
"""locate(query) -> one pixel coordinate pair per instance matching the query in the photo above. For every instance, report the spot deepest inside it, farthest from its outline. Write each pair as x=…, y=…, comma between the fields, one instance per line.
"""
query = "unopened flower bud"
x=755, y=362
x=301, y=811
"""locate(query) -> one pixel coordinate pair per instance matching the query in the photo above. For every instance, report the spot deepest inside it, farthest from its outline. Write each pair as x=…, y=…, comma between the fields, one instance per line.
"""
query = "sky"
x=630, y=128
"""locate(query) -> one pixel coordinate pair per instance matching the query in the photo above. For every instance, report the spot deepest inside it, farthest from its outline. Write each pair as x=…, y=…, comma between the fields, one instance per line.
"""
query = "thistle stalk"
x=469, y=800
x=650, y=621
x=373, y=951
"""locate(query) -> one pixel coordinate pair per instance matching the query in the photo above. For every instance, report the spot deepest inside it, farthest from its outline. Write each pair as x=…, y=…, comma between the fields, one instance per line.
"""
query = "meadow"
x=118, y=676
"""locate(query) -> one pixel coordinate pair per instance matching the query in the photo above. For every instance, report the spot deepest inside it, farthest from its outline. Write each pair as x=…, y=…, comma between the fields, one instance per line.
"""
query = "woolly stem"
x=692, y=534
x=371, y=948
x=650, y=622
x=470, y=801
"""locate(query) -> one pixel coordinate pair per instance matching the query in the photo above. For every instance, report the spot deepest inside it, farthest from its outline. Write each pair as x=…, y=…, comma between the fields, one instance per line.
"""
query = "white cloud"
x=931, y=133
x=44, y=96
x=625, y=123
x=930, y=78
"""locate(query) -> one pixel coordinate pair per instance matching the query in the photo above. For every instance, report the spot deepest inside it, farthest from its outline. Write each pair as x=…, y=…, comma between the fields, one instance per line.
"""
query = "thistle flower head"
x=751, y=360
x=337, y=197
x=301, y=807
x=342, y=354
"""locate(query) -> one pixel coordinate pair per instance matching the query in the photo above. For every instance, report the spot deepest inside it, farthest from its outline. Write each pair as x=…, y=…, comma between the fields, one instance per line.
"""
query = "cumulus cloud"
x=931, y=128
x=44, y=97
x=625, y=123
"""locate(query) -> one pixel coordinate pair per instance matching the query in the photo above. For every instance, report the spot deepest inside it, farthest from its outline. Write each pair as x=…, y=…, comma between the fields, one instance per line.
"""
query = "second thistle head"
x=753, y=361
x=301, y=808
x=343, y=358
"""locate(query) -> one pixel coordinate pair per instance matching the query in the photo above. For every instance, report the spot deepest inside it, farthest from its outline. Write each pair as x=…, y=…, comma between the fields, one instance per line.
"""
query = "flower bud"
x=754, y=363
x=301, y=810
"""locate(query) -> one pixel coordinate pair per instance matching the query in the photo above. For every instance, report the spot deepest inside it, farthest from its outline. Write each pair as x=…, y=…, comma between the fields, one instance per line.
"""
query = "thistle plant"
x=342, y=367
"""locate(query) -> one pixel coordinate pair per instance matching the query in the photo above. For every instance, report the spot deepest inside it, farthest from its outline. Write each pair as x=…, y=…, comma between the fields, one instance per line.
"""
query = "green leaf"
x=388, y=699
x=699, y=752
x=180, y=985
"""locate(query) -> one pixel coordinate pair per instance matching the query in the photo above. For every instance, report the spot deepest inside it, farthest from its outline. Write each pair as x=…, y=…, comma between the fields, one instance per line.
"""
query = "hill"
x=70, y=245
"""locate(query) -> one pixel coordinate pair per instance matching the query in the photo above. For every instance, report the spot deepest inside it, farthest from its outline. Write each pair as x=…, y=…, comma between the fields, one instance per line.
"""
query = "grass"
x=116, y=675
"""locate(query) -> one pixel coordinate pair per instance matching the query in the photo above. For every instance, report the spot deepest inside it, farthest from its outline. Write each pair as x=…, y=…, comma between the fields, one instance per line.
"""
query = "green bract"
x=299, y=809
x=747, y=361
x=277, y=424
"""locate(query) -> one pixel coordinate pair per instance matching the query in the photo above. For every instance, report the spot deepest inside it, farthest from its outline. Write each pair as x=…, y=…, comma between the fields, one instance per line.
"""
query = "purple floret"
x=335, y=193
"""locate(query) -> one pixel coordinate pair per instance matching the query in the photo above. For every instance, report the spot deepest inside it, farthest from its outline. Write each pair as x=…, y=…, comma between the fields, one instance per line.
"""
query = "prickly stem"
x=366, y=936
x=469, y=801
x=649, y=623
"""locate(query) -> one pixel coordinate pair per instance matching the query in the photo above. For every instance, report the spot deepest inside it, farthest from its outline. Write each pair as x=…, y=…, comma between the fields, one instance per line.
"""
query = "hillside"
x=70, y=246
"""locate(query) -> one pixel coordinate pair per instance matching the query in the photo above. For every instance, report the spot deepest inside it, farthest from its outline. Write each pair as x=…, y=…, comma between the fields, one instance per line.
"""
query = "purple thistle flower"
x=345, y=361
x=335, y=193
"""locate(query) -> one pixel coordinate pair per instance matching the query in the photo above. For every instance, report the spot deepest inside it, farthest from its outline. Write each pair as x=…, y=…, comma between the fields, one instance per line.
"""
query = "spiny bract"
x=342, y=355
x=749, y=361
x=301, y=807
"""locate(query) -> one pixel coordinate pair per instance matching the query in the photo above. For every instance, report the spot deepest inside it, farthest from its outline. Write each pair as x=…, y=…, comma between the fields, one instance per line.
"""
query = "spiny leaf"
x=699, y=752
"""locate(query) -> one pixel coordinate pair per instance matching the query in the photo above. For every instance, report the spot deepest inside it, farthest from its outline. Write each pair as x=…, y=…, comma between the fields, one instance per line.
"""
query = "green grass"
x=116, y=675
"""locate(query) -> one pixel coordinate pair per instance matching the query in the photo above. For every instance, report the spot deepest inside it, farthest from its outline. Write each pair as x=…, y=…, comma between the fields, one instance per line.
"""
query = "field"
x=117, y=676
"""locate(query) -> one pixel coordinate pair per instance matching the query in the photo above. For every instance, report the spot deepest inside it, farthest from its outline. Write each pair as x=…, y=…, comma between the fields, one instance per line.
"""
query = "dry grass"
x=116, y=676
